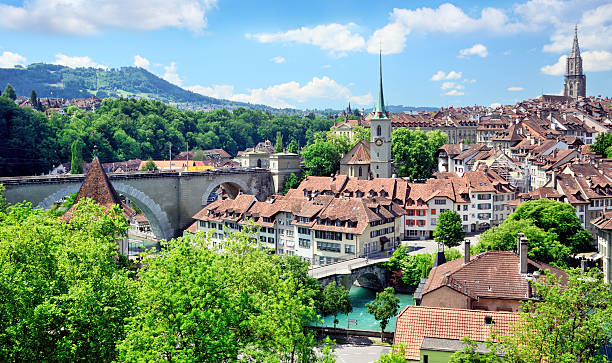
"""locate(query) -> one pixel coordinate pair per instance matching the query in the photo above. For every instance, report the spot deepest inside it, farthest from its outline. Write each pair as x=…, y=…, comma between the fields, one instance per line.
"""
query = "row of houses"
x=328, y=219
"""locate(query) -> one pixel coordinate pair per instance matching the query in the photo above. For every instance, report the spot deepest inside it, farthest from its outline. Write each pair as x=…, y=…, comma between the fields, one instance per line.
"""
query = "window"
x=348, y=236
x=360, y=171
x=302, y=230
x=410, y=212
x=202, y=224
x=336, y=236
x=465, y=218
x=433, y=221
x=270, y=239
x=270, y=230
x=433, y=211
x=378, y=131
x=303, y=242
x=440, y=201
x=484, y=196
x=349, y=249
x=327, y=246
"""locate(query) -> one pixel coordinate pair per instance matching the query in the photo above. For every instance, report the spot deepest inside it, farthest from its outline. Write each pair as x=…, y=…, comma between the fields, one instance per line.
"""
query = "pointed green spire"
x=379, y=111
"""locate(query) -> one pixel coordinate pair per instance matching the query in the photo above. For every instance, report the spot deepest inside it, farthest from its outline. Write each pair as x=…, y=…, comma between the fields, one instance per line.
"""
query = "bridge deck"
x=345, y=267
x=64, y=178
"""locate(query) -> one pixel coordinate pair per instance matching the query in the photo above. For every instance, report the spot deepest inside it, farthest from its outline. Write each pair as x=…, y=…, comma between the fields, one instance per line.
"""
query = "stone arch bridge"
x=168, y=199
x=365, y=271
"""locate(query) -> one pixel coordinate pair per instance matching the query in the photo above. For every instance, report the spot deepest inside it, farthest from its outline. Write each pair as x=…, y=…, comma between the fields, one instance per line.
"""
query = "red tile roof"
x=416, y=322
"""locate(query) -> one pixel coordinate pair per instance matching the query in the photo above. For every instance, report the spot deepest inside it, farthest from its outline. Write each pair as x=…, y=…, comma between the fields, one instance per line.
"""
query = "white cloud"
x=441, y=75
x=592, y=61
x=447, y=85
x=141, y=62
x=594, y=28
x=515, y=89
x=10, y=59
x=171, y=74
x=447, y=18
x=90, y=17
x=277, y=60
x=454, y=93
x=286, y=94
x=478, y=49
x=216, y=91
x=336, y=38
x=77, y=62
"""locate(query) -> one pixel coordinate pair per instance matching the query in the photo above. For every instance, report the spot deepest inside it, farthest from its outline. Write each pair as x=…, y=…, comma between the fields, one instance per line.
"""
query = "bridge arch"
x=158, y=219
x=229, y=182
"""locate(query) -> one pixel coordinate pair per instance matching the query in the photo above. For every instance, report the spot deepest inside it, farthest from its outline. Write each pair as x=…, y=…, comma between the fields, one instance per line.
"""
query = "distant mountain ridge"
x=50, y=80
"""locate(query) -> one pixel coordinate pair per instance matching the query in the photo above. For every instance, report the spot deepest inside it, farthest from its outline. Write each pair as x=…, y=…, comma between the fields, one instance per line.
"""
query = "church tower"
x=575, y=81
x=381, y=165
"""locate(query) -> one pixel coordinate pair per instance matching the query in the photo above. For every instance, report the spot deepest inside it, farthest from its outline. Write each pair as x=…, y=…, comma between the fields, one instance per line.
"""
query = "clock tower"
x=381, y=164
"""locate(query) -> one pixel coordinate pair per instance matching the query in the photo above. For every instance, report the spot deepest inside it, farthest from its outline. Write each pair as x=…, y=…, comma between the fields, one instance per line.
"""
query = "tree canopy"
x=335, y=300
x=122, y=129
x=552, y=228
x=414, y=150
x=602, y=144
x=567, y=323
x=384, y=307
x=9, y=92
x=449, y=230
x=64, y=295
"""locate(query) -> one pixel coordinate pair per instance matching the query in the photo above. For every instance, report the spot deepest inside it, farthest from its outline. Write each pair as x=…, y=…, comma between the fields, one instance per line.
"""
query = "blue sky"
x=318, y=54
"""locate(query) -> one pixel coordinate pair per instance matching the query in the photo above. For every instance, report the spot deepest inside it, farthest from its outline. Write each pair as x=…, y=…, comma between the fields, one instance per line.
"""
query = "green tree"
x=35, y=101
x=293, y=146
x=558, y=218
x=435, y=140
x=9, y=92
x=449, y=230
x=149, y=166
x=566, y=323
x=384, y=307
x=410, y=150
x=198, y=155
x=543, y=246
x=602, y=142
x=76, y=165
x=3, y=203
x=469, y=353
x=64, y=294
x=278, y=146
x=291, y=182
x=335, y=300
x=238, y=302
x=396, y=355
x=360, y=133
x=321, y=158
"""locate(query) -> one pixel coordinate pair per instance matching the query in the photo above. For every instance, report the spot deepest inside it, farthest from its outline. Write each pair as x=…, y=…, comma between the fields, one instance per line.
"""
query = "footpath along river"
x=359, y=298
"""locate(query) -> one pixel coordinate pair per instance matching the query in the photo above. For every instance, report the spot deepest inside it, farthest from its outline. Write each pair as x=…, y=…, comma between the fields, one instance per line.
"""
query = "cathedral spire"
x=575, y=47
x=380, y=111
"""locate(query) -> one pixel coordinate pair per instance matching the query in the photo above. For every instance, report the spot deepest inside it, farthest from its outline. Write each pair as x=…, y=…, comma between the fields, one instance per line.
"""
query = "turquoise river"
x=359, y=298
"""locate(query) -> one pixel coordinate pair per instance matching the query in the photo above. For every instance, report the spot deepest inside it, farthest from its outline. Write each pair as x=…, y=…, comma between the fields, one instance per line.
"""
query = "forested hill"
x=50, y=80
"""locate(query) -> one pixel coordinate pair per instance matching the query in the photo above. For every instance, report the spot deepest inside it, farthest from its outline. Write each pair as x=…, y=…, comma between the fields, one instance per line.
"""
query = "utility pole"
x=170, y=154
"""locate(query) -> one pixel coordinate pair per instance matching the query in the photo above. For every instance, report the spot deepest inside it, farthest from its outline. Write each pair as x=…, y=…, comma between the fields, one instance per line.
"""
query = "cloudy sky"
x=323, y=53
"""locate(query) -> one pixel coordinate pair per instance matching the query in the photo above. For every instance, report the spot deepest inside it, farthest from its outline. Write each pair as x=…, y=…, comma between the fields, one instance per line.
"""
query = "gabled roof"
x=414, y=323
x=358, y=155
x=492, y=274
x=96, y=186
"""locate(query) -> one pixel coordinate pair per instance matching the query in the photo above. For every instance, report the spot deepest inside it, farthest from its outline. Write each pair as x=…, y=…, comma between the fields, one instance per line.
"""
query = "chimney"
x=466, y=252
x=523, y=246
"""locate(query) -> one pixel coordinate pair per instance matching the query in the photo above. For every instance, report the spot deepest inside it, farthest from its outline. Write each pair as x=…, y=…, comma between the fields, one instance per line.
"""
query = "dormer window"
x=338, y=223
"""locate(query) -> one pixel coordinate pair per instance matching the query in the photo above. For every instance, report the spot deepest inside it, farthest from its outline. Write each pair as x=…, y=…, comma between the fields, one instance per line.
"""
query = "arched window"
x=378, y=131
x=259, y=163
x=360, y=171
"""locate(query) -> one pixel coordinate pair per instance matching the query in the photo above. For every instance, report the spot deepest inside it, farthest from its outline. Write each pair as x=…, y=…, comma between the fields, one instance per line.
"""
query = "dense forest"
x=123, y=129
x=50, y=80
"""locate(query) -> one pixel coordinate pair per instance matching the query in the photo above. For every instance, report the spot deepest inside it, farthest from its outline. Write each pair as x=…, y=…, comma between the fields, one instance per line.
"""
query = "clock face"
x=378, y=142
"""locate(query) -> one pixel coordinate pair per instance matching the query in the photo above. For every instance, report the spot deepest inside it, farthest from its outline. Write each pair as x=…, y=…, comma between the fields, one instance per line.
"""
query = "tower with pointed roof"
x=381, y=164
x=575, y=81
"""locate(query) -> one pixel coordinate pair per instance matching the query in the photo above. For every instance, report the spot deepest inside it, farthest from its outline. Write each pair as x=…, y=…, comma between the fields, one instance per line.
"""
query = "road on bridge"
x=347, y=266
